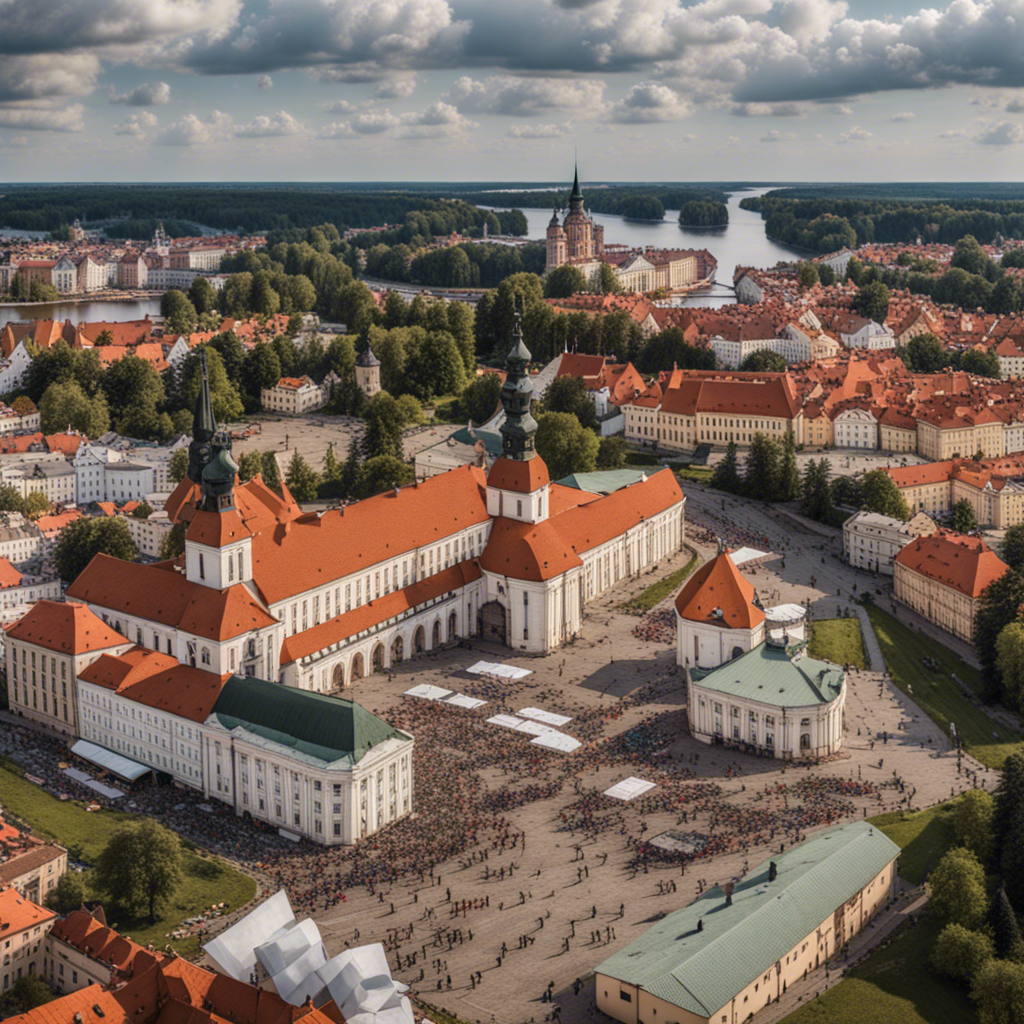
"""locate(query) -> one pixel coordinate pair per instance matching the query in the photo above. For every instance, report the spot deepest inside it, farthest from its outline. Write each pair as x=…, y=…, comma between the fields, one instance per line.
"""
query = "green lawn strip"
x=922, y=836
x=893, y=986
x=838, y=641
x=937, y=693
x=696, y=473
x=208, y=880
x=659, y=591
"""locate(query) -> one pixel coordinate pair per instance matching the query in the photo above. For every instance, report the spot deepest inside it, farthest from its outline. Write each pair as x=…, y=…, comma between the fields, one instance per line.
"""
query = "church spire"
x=519, y=429
x=576, y=196
x=204, y=428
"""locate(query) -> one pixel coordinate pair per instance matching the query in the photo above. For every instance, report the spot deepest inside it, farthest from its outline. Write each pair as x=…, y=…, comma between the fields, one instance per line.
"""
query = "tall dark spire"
x=518, y=440
x=204, y=428
x=576, y=196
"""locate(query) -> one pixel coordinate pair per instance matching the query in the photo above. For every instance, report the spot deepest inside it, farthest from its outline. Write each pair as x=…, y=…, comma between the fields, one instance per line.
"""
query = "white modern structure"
x=872, y=541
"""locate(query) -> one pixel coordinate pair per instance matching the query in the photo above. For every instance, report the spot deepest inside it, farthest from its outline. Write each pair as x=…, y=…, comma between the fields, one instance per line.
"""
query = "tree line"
x=466, y=265
x=616, y=199
x=700, y=213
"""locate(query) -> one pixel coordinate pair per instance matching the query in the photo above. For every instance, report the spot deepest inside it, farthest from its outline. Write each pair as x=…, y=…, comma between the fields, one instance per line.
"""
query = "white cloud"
x=335, y=130
x=44, y=119
x=538, y=131
x=373, y=122
x=905, y=115
x=857, y=134
x=264, y=82
x=195, y=131
x=1014, y=107
x=1003, y=133
x=437, y=121
x=649, y=103
x=262, y=127
x=144, y=95
x=774, y=135
x=841, y=109
x=136, y=125
x=524, y=97
x=340, y=107
x=398, y=86
x=39, y=76
x=769, y=110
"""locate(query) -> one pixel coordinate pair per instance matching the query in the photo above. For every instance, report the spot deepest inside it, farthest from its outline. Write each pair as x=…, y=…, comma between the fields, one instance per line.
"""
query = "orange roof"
x=918, y=476
x=719, y=586
x=9, y=576
x=170, y=598
x=257, y=504
x=67, y=627
x=966, y=564
x=217, y=529
x=75, y=1006
x=158, y=681
x=68, y=444
x=55, y=523
x=18, y=913
x=82, y=931
x=515, y=475
x=367, y=616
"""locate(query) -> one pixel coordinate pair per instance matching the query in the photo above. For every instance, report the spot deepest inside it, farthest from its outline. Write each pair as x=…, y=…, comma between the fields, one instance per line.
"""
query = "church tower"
x=578, y=227
x=517, y=485
x=556, y=249
x=204, y=429
x=368, y=371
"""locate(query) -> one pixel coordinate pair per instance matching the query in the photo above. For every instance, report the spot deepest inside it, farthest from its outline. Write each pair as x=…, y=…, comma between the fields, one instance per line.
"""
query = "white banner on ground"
x=629, y=789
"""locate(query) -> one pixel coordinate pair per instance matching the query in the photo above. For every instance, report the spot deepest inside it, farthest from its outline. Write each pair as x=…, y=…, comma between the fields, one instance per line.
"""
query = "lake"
x=85, y=311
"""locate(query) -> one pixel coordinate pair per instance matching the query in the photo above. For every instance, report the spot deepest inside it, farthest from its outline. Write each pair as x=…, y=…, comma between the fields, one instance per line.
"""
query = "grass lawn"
x=838, y=641
x=922, y=836
x=893, y=986
x=936, y=692
x=659, y=591
x=208, y=880
x=700, y=474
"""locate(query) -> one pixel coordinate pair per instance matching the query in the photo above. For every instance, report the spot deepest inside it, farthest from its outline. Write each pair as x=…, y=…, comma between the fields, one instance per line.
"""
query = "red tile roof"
x=967, y=564
x=9, y=576
x=515, y=475
x=18, y=913
x=717, y=586
x=66, y=627
x=82, y=931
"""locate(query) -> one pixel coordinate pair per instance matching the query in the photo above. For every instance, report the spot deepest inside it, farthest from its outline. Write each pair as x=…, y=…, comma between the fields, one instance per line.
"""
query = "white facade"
x=92, y=275
x=293, y=396
x=65, y=275
x=871, y=336
x=731, y=353
x=119, y=472
x=871, y=541
x=749, y=291
x=149, y=534
x=20, y=540
x=14, y=370
x=855, y=428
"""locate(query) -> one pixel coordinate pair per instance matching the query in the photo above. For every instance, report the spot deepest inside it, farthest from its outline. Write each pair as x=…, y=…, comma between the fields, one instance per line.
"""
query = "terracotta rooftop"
x=717, y=594
x=966, y=564
x=66, y=627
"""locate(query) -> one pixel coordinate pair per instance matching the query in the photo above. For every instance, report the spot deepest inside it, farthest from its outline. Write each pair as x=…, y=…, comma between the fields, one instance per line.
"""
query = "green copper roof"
x=702, y=971
x=774, y=676
x=606, y=481
x=318, y=727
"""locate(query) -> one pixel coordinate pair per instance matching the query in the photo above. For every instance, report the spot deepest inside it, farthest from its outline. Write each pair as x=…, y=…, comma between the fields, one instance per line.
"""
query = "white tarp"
x=460, y=700
x=498, y=670
x=77, y=774
x=557, y=741
x=427, y=692
x=544, y=716
x=785, y=613
x=122, y=766
x=108, y=791
x=233, y=952
x=534, y=728
x=360, y=983
x=629, y=789
x=746, y=555
x=506, y=721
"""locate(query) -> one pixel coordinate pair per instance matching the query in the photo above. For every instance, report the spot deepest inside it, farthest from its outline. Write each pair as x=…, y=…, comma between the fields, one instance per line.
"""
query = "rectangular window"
x=202, y=568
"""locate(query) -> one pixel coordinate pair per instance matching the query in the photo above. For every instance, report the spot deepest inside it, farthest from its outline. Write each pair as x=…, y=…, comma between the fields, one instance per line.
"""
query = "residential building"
x=45, y=651
x=92, y=274
x=17, y=590
x=23, y=929
x=20, y=539
x=942, y=576
x=855, y=427
x=609, y=384
x=65, y=275
x=132, y=271
x=950, y=431
x=30, y=866
x=293, y=396
x=82, y=950
x=872, y=541
x=736, y=948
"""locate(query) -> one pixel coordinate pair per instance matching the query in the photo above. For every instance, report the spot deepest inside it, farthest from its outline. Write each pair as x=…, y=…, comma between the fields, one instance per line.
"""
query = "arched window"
x=206, y=655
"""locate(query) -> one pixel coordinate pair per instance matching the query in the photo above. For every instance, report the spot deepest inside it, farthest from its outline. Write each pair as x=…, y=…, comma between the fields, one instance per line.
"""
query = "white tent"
x=629, y=789
x=557, y=741
x=534, y=728
x=360, y=983
x=460, y=700
x=544, y=716
x=782, y=613
x=498, y=670
x=428, y=692
x=746, y=555
x=506, y=721
x=233, y=952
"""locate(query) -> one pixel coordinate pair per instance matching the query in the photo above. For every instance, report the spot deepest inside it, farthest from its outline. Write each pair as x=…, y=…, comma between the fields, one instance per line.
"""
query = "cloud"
x=769, y=110
x=776, y=136
x=399, y=86
x=38, y=76
x=264, y=82
x=953, y=133
x=1003, y=133
x=436, y=121
x=538, y=131
x=263, y=127
x=195, y=131
x=524, y=97
x=40, y=119
x=905, y=115
x=841, y=109
x=649, y=103
x=1014, y=107
x=340, y=107
x=374, y=122
x=144, y=95
x=335, y=130
x=136, y=125
x=857, y=134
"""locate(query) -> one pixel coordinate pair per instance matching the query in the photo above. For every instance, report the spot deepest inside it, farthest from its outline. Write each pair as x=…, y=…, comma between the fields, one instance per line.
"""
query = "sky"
x=486, y=90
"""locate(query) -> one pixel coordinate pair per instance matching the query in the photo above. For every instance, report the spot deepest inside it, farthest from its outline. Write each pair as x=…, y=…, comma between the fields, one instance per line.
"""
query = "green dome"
x=219, y=472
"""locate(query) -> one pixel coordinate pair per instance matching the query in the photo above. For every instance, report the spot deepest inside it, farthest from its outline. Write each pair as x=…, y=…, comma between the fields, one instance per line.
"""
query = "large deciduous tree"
x=384, y=427
x=302, y=480
x=958, y=889
x=879, y=493
x=79, y=541
x=569, y=394
x=998, y=992
x=960, y=953
x=566, y=445
x=140, y=867
x=564, y=281
x=997, y=608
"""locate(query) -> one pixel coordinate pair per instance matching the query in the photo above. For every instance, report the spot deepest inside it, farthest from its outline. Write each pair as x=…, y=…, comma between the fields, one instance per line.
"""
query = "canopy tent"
x=233, y=952
x=428, y=692
x=746, y=555
x=123, y=767
x=460, y=700
x=77, y=774
x=544, y=716
x=534, y=728
x=498, y=671
x=506, y=721
x=629, y=789
x=108, y=791
x=557, y=741
x=783, y=613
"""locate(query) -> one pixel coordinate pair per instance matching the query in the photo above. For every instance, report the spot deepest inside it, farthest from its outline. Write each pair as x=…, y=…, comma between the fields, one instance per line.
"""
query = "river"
x=82, y=312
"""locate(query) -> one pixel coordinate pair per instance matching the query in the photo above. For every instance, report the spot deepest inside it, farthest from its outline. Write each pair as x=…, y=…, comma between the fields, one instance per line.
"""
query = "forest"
x=624, y=200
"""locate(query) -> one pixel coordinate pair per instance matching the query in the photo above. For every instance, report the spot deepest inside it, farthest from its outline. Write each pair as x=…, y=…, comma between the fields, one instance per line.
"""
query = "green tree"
x=11, y=500
x=1009, y=942
x=173, y=543
x=880, y=494
x=1008, y=827
x=958, y=889
x=36, y=504
x=23, y=406
x=301, y=479
x=569, y=394
x=261, y=369
x=826, y=275
x=411, y=410
x=68, y=894
x=479, y=399
x=818, y=502
x=384, y=428
x=611, y=452
x=764, y=361
x=1010, y=665
x=143, y=511
x=972, y=822
x=854, y=268
x=872, y=301
x=960, y=953
x=134, y=391
x=271, y=473
x=249, y=464
x=202, y=295
x=924, y=354
x=566, y=445
x=997, y=608
x=177, y=464
x=395, y=310
x=963, y=516
x=998, y=992
x=104, y=338
x=27, y=992
x=39, y=291
x=140, y=867
x=178, y=311
x=608, y=282
x=981, y=364
x=224, y=396
x=435, y=367
x=381, y=473
x=330, y=475
x=807, y=275
x=1013, y=546
x=761, y=468
x=564, y=281
x=80, y=540
x=726, y=476
x=788, y=488
x=65, y=404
